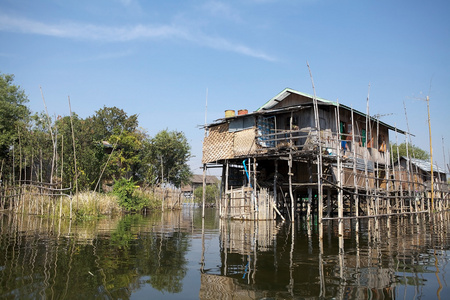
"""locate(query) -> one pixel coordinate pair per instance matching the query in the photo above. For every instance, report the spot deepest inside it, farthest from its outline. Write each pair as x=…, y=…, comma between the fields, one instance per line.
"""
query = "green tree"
x=212, y=193
x=112, y=120
x=169, y=154
x=12, y=112
x=413, y=151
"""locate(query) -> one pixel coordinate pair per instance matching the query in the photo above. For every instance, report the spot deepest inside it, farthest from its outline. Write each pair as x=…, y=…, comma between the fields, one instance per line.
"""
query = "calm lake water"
x=177, y=255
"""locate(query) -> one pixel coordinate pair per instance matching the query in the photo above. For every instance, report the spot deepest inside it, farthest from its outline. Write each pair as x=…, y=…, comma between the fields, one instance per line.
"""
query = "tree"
x=212, y=193
x=413, y=151
x=112, y=120
x=12, y=112
x=169, y=154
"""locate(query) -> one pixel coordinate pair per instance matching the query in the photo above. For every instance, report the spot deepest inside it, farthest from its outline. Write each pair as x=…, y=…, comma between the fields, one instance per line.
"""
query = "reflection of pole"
x=341, y=263
x=291, y=261
x=202, y=262
x=358, y=258
x=162, y=184
x=321, y=274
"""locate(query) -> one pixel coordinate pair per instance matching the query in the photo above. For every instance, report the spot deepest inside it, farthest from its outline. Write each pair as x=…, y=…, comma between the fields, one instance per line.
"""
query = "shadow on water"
x=180, y=255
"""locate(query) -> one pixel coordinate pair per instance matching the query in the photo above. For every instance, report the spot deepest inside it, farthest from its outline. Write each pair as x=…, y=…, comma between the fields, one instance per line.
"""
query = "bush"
x=125, y=189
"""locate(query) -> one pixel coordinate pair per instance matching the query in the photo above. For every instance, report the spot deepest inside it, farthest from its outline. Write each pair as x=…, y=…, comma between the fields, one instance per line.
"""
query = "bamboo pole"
x=410, y=165
x=339, y=171
x=62, y=172
x=204, y=165
x=388, y=180
x=51, y=134
x=366, y=175
x=319, y=156
x=290, y=172
x=431, y=155
x=399, y=172
x=254, y=189
x=275, y=179
x=308, y=208
x=408, y=162
x=355, y=178
x=226, y=188
x=75, y=160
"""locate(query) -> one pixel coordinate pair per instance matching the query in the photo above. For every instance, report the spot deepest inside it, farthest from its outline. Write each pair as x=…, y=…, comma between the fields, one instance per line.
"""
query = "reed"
x=93, y=204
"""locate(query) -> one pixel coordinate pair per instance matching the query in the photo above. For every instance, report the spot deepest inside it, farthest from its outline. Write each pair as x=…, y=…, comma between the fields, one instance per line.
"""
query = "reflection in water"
x=389, y=258
x=180, y=255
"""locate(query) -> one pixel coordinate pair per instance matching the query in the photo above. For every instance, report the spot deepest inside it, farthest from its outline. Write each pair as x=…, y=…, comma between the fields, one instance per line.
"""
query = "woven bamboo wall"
x=244, y=142
x=218, y=144
x=221, y=144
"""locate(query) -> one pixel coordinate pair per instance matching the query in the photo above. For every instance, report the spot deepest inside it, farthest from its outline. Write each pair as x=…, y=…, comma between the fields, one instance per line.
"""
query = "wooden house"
x=298, y=154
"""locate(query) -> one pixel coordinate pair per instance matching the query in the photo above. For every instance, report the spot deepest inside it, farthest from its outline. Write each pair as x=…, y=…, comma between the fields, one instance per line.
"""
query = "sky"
x=164, y=60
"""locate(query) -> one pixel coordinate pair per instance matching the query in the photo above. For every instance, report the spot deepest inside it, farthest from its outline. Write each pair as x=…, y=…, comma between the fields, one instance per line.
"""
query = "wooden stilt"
x=339, y=175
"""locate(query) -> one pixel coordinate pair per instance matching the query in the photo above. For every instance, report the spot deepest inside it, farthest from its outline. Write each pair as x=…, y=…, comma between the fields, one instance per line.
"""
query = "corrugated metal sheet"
x=425, y=165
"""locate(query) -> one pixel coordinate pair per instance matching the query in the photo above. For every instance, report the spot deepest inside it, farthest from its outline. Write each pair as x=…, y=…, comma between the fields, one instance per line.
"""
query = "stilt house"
x=300, y=155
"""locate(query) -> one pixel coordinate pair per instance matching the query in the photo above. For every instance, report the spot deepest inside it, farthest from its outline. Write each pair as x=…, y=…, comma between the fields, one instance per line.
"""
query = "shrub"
x=125, y=189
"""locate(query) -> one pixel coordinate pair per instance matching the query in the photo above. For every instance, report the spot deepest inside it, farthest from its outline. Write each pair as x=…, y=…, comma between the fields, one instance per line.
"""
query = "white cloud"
x=123, y=34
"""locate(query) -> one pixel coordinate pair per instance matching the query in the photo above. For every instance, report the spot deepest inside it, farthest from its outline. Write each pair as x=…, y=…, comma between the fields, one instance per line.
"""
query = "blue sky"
x=158, y=59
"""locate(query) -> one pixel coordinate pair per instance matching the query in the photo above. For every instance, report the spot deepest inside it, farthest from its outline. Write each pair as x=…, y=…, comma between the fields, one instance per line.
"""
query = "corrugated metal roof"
x=284, y=94
x=425, y=165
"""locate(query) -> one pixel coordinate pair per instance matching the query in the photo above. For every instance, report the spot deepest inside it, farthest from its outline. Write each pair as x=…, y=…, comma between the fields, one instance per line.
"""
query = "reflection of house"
x=197, y=181
x=301, y=154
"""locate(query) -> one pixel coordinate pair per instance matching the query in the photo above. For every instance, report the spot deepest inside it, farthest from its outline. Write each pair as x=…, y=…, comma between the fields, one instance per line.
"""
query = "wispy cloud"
x=108, y=55
x=226, y=45
x=87, y=31
x=92, y=32
x=221, y=9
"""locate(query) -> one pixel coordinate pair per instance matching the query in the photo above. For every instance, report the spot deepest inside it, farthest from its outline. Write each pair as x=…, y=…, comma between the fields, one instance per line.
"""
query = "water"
x=177, y=255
